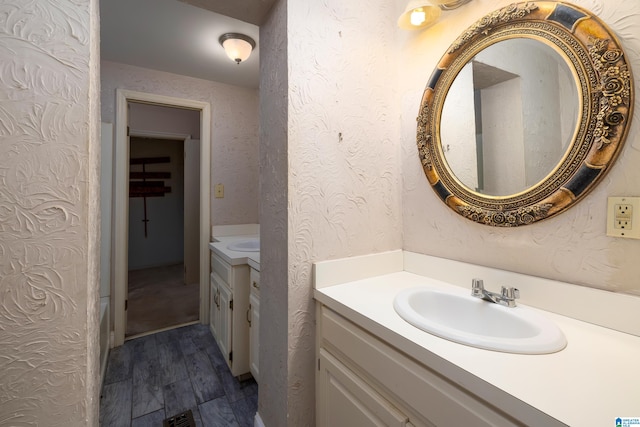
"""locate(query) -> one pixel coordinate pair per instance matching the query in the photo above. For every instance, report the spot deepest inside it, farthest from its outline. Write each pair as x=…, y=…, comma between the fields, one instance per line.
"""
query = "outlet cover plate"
x=218, y=191
x=623, y=217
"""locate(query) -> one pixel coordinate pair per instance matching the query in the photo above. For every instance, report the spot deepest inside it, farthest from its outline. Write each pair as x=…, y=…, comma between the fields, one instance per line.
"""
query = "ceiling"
x=181, y=37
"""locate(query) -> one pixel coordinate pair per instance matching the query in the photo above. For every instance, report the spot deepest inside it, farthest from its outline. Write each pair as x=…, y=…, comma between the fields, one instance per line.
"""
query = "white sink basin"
x=471, y=321
x=249, y=245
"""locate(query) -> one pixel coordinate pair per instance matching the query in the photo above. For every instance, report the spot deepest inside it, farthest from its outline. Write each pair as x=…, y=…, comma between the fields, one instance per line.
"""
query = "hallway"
x=157, y=376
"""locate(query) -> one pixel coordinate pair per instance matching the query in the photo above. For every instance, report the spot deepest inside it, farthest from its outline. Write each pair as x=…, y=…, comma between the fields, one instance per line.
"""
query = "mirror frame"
x=605, y=90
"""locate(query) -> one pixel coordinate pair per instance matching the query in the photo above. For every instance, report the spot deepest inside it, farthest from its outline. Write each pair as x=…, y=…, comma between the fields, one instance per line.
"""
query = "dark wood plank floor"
x=156, y=376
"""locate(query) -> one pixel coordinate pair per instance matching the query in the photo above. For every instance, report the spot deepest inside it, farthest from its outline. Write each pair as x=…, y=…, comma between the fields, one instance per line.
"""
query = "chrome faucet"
x=506, y=297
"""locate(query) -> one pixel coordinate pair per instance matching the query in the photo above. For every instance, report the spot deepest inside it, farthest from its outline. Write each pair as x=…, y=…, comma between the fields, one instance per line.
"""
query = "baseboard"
x=105, y=337
x=257, y=421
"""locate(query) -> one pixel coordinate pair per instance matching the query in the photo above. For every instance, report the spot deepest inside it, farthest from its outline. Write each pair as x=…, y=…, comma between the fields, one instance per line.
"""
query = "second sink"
x=471, y=321
x=248, y=245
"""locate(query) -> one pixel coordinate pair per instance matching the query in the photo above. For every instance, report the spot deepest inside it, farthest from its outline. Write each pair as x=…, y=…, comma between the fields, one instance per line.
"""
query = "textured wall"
x=571, y=247
x=234, y=131
x=344, y=169
x=48, y=209
x=273, y=396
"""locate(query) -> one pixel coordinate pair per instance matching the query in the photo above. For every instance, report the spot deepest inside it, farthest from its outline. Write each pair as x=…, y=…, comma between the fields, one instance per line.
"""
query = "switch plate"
x=623, y=217
x=218, y=191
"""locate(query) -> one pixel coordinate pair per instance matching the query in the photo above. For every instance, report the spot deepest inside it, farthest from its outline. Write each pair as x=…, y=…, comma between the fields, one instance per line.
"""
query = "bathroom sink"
x=248, y=245
x=461, y=318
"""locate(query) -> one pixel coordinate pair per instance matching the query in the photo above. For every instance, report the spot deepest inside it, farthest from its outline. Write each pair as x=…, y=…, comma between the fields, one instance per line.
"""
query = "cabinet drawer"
x=221, y=267
x=417, y=387
x=254, y=278
x=345, y=399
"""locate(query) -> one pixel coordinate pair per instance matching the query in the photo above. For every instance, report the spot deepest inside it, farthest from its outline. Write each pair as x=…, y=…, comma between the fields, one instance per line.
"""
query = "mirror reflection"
x=509, y=117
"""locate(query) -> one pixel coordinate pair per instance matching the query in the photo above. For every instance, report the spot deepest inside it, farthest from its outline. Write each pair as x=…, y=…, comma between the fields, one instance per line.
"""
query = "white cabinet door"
x=214, y=304
x=226, y=322
x=346, y=400
x=232, y=331
x=254, y=334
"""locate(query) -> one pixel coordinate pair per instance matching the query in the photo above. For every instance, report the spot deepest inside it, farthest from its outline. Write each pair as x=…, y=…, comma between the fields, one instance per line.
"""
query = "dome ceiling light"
x=237, y=46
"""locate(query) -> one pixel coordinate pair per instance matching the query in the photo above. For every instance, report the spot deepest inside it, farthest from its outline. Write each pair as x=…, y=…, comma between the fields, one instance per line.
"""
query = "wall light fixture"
x=237, y=46
x=422, y=13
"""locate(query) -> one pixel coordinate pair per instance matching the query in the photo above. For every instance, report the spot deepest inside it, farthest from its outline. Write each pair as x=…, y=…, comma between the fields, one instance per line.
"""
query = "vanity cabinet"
x=254, y=323
x=228, y=322
x=363, y=381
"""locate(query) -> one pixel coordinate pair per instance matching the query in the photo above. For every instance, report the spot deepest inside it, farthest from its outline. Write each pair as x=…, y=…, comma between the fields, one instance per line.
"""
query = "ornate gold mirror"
x=525, y=113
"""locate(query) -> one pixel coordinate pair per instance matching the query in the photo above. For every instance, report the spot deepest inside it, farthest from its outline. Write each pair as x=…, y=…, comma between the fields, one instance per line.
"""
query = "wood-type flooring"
x=157, y=376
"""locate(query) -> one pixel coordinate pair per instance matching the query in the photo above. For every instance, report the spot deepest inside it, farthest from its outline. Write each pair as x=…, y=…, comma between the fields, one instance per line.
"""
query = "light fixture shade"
x=449, y=4
x=237, y=46
x=418, y=14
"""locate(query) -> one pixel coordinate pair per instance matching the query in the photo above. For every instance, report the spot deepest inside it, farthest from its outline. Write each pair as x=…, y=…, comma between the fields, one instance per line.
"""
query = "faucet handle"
x=510, y=293
x=477, y=287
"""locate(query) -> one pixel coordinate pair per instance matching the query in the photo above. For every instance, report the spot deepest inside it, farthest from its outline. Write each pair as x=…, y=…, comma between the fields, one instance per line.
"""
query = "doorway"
x=163, y=291
x=121, y=199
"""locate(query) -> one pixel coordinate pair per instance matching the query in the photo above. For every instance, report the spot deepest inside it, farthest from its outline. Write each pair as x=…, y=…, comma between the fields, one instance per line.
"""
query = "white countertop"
x=594, y=380
x=219, y=246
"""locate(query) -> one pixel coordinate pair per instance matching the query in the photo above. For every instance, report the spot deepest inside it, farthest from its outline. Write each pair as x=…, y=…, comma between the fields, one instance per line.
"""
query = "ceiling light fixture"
x=237, y=46
x=420, y=14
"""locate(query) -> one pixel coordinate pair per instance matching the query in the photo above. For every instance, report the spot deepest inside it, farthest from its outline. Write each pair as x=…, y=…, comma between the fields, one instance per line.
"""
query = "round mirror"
x=525, y=113
x=484, y=139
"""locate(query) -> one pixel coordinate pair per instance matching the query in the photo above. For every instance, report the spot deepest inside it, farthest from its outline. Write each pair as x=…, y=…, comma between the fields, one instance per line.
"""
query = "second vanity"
x=234, y=283
x=374, y=368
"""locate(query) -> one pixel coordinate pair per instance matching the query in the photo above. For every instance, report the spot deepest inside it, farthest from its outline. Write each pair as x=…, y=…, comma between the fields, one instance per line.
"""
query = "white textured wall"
x=571, y=247
x=330, y=177
x=344, y=177
x=274, y=329
x=234, y=131
x=49, y=216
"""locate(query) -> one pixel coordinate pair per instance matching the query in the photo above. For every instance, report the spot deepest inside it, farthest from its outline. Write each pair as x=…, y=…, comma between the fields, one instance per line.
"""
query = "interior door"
x=191, y=211
x=121, y=204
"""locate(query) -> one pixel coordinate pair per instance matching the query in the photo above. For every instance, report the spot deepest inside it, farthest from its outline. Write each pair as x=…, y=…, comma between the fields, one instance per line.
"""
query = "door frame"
x=120, y=253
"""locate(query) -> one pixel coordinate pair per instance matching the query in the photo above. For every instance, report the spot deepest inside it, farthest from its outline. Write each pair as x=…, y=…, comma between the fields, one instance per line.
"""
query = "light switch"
x=623, y=217
x=218, y=191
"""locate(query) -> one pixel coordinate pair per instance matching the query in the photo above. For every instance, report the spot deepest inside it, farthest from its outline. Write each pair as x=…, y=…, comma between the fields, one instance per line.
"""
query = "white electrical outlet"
x=623, y=217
